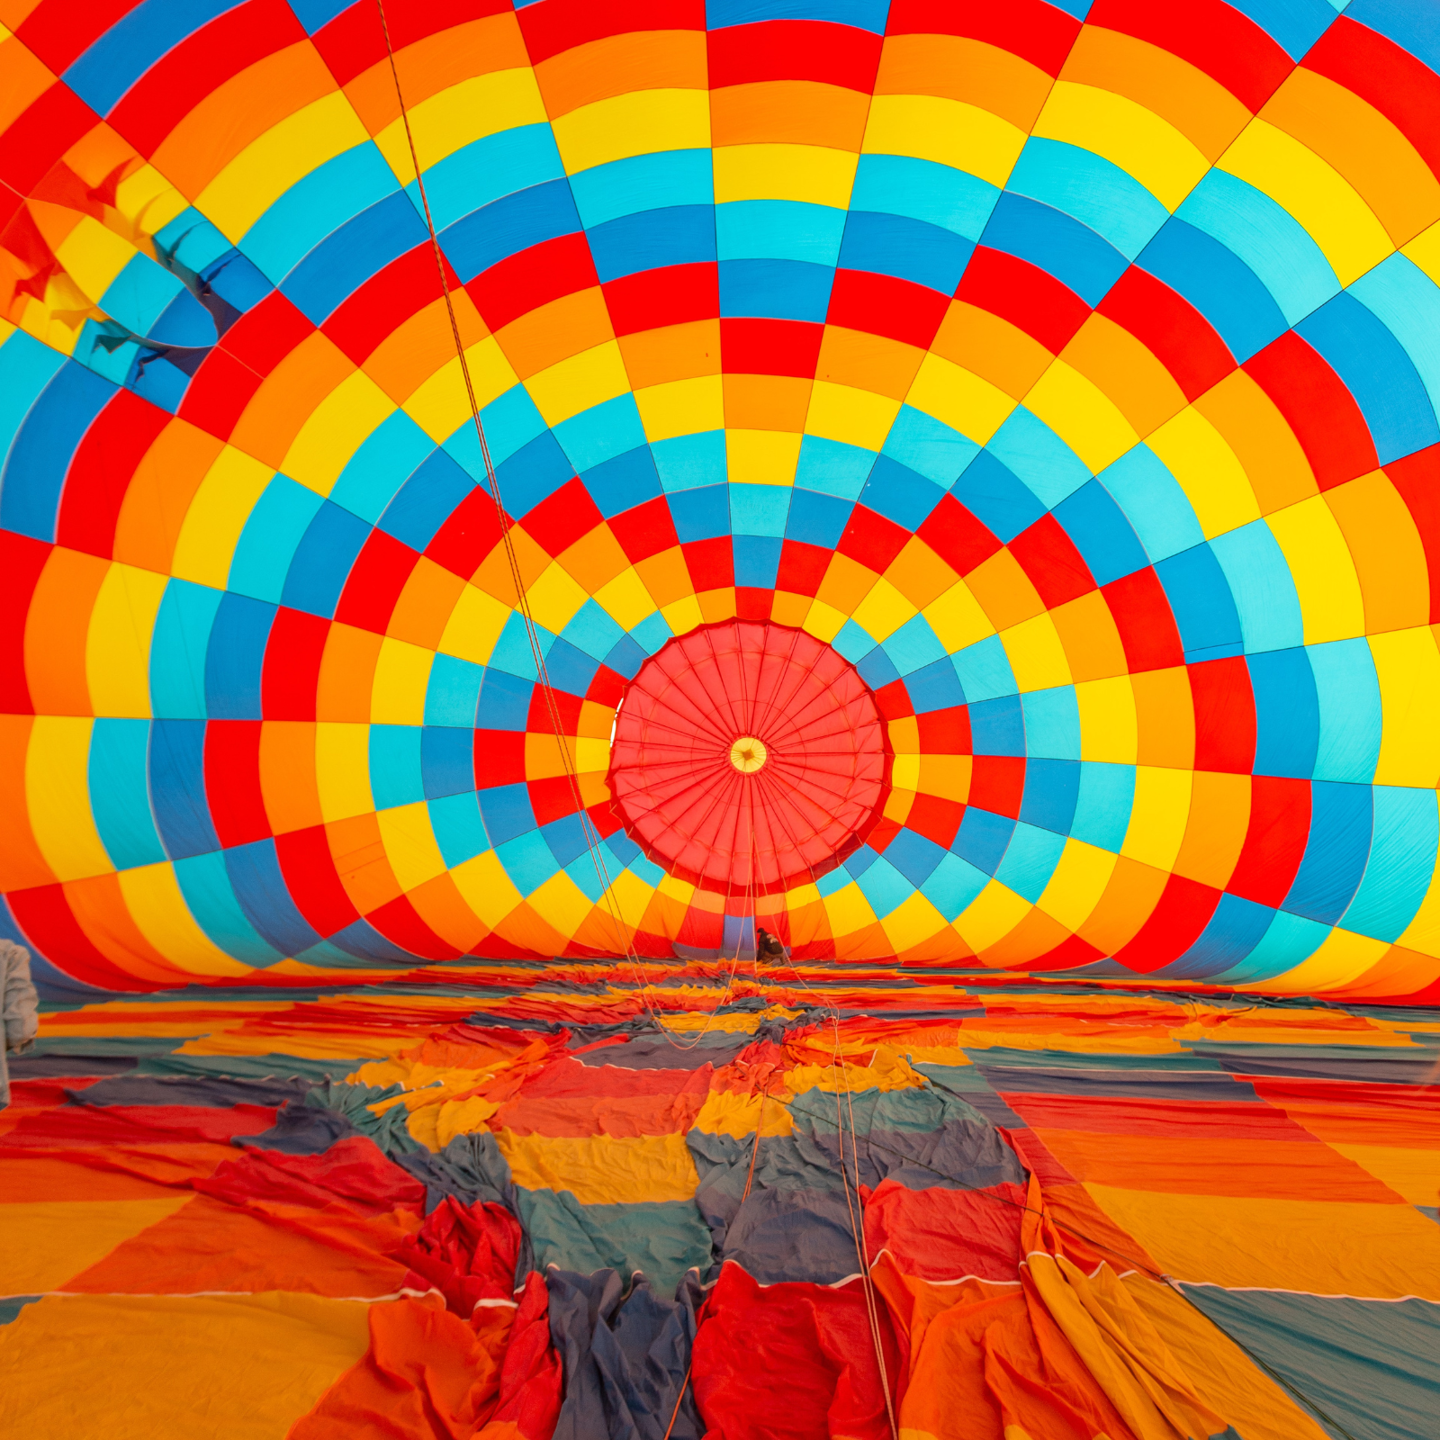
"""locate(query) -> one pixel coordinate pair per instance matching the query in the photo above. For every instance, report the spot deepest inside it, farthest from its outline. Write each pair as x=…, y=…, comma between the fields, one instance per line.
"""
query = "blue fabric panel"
x=883, y=887
x=1052, y=788
x=44, y=444
x=915, y=646
x=1202, y=604
x=1348, y=691
x=816, y=519
x=570, y=669
x=236, y=657
x=758, y=509
x=1153, y=503
x=757, y=560
x=908, y=249
x=1265, y=237
x=1373, y=1366
x=1103, y=803
x=271, y=536
x=323, y=558
x=602, y=432
x=1040, y=459
x=504, y=701
x=453, y=691
x=984, y=669
x=833, y=467
x=1052, y=723
x=178, y=648
x=701, y=514
x=1402, y=863
x=623, y=481
x=1377, y=372
x=459, y=828
x=426, y=500
x=915, y=857
x=527, y=859
x=486, y=170
x=532, y=474
x=1089, y=189
x=1289, y=940
x=360, y=248
x=997, y=727
x=1053, y=242
x=259, y=886
x=1220, y=286
x=363, y=943
x=899, y=494
x=26, y=368
x=1101, y=533
x=507, y=812
x=877, y=669
x=775, y=289
x=381, y=464
x=1287, y=713
x=923, y=190
x=316, y=206
x=567, y=842
x=105, y=71
x=503, y=228
x=672, y=178
x=982, y=838
x=955, y=883
x=1234, y=930
x=934, y=687
x=778, y=230
x=1336, y=853
x=653, y=240
x=928, y=446
x=593, y=632
x=686, y=462
x=177, y=787
x=209, y=895
x=395, y=765
x=119, y=799
x=997, y=497
x=1030, y=860
x=1262, y=587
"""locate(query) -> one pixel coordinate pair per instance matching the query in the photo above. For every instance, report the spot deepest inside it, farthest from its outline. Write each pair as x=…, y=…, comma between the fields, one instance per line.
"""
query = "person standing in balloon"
x=18, y=1005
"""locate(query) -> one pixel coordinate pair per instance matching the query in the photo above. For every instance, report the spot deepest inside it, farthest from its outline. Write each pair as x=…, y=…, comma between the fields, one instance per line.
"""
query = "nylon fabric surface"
x=1058, y=376
x=423, y=1246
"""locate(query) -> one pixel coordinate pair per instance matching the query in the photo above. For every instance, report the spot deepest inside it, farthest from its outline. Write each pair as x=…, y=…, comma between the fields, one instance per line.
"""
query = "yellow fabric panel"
x=1415, y=1174
x=1223, y=1375
x=602, y=1169
x=139, y=1367
x=47, y=1242
x=1389, y=1251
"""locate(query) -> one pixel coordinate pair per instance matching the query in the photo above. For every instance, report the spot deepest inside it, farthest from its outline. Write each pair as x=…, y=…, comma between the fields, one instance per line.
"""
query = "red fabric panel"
x=820, y=1377
x=21, y=561
x=956, y=536
x=39, y=137
x=886, y=305
x=794, y=50
x=711, y=563
x=946, y=1235
x=470, y=532
x=533, y=277
x=770, y=347
x=50, y=926
x=1214, y=37
x=872, y=539
x=60, y=31
x=232, y=781
x=399, y=922
x=386, y=300
x=1055, y=567
x=1142, y=615
x=313, y=882
x=1318, y=408
x=101, y=470
x=375, y=581
x=1172, y=329
x=1183, y=911
x=1275, y=840
x=802, y=567
x=290, y=678
x=560, y=25
x=499, y=757
x=353, y=1174
x=1040, y=33
x=1417, y=479
x=561, y=519
x=1224, y=715
x=1025, y=295
x=670, y=295
x=997, y=784
x=645, y=530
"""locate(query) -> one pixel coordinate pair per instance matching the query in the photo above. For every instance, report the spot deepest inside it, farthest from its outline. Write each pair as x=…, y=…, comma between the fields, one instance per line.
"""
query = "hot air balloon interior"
x=720, y=719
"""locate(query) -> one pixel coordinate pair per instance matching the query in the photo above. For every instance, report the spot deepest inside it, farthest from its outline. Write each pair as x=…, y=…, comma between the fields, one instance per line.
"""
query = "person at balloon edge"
x=19, y=1006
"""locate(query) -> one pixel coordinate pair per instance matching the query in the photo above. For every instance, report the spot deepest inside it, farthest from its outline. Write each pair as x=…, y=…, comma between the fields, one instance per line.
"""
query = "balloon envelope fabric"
x=1063, y=373
x=510, y=1206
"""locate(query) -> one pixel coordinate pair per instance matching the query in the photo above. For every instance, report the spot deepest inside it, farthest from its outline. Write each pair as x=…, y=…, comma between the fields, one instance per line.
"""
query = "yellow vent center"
x=748, y=754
